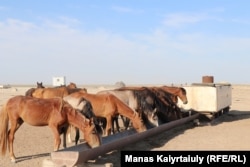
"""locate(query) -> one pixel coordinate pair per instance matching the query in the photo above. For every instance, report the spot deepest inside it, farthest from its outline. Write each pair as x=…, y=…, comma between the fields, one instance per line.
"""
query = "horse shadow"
x=29, y=157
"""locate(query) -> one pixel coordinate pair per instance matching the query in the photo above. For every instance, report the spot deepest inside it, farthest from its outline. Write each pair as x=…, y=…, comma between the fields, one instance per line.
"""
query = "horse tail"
x=4, y=119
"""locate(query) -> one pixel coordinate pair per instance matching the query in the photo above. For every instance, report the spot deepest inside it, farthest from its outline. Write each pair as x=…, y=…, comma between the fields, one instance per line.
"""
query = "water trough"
x=80, y=154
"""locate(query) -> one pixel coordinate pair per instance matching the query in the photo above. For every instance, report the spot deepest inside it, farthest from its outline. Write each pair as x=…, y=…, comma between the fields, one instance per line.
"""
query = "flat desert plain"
x=231, y=131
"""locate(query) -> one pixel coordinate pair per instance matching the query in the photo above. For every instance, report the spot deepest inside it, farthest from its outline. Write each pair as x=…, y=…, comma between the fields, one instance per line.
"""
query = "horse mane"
x=29, y=92
x=89, y=114
x=183, y=90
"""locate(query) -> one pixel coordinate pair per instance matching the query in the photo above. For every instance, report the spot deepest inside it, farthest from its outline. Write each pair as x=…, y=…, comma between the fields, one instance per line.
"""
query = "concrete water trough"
x=80, y=154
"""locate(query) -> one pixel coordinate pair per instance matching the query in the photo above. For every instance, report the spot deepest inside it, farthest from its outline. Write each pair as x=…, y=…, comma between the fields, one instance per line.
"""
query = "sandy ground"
x=229, y=132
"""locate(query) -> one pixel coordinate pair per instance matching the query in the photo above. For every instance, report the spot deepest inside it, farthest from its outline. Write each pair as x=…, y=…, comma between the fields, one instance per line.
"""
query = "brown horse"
x=55, y=113
x=108, y=106
x=139, y=99
x=177, y=91
x=60, y=91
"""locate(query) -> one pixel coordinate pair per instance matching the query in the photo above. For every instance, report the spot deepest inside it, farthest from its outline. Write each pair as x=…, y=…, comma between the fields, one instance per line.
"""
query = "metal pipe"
x=81, y=153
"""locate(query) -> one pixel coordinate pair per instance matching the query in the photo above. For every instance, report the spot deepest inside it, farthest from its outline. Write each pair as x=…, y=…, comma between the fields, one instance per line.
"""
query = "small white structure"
x=58, y=81
x=4, y=86
x=210, y=97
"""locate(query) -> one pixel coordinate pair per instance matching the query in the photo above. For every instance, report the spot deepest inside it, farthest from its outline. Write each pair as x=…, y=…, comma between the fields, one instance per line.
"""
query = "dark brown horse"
x=55, y=113
x=168, y=108
x=108, y=106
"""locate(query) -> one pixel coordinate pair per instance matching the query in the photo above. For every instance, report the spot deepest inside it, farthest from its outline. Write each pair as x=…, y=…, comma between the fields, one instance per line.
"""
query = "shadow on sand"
x=161, y=139
x=28, y=157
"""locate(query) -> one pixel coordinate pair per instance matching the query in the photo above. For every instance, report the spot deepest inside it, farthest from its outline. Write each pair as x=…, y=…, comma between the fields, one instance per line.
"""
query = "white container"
x=208, y=97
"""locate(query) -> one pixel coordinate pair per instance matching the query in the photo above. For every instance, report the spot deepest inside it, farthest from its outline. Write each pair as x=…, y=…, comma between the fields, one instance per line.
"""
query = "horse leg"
x=113, y=125
x=11, y=133
x=108, y=126
x=57, y=139
x=64, y=138
x=116, y=121
x=126, y=122
x=69, y=134
x=77, y=137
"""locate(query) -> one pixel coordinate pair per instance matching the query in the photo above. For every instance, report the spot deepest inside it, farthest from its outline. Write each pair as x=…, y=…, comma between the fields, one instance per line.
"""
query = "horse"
x=168, y=107
x=52, y=92
x=54, y=112
x=139, y=99
x=164, y=103
x=177, y=91
x=108, y=106
x=83, y=106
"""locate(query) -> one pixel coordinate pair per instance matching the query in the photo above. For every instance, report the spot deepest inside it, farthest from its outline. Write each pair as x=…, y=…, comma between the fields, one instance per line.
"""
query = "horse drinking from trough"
x=54, y=112
x=163, y=102
x=180, y=92
x=108, y=106
x=140, y=100
x=84, y=107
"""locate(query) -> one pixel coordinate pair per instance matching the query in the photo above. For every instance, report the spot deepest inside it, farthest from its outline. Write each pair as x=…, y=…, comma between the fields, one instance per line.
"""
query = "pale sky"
x=134, y=41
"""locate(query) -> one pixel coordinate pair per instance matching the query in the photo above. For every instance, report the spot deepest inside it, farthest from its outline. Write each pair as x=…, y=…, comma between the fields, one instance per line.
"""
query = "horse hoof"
x=13, y=160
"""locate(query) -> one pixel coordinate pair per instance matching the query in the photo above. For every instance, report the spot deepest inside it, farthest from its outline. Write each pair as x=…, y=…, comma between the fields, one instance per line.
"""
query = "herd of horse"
x=95, y=115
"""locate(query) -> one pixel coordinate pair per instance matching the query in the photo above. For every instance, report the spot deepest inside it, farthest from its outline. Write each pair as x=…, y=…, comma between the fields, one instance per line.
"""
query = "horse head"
x=183, y=95
x=90, y=133
x=39, y=85
x=138, y=123
x=86, y=125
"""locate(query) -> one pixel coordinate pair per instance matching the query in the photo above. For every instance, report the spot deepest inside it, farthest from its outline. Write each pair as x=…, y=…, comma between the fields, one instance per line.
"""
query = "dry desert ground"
x=229, y=132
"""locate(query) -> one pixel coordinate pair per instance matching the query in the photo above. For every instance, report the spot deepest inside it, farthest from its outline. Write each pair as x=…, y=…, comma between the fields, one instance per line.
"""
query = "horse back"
x=35, y=111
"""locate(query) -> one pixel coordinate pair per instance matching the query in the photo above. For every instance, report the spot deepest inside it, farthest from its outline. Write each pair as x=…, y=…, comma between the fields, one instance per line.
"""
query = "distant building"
x=58, y=81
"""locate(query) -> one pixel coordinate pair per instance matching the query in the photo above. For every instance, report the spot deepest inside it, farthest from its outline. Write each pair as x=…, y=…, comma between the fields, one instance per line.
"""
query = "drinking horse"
x=54, y=112
x=167, y=104
x=52, y=92
x=108, y=106
x=177, y=91
x=84, y=107
x=140, y=100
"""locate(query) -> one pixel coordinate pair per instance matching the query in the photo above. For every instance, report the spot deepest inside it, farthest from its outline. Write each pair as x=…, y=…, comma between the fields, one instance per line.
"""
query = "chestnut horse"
x=55, y=113
x=177, y=91
x=60, y=91
x=108, y=106
x=139, y=99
